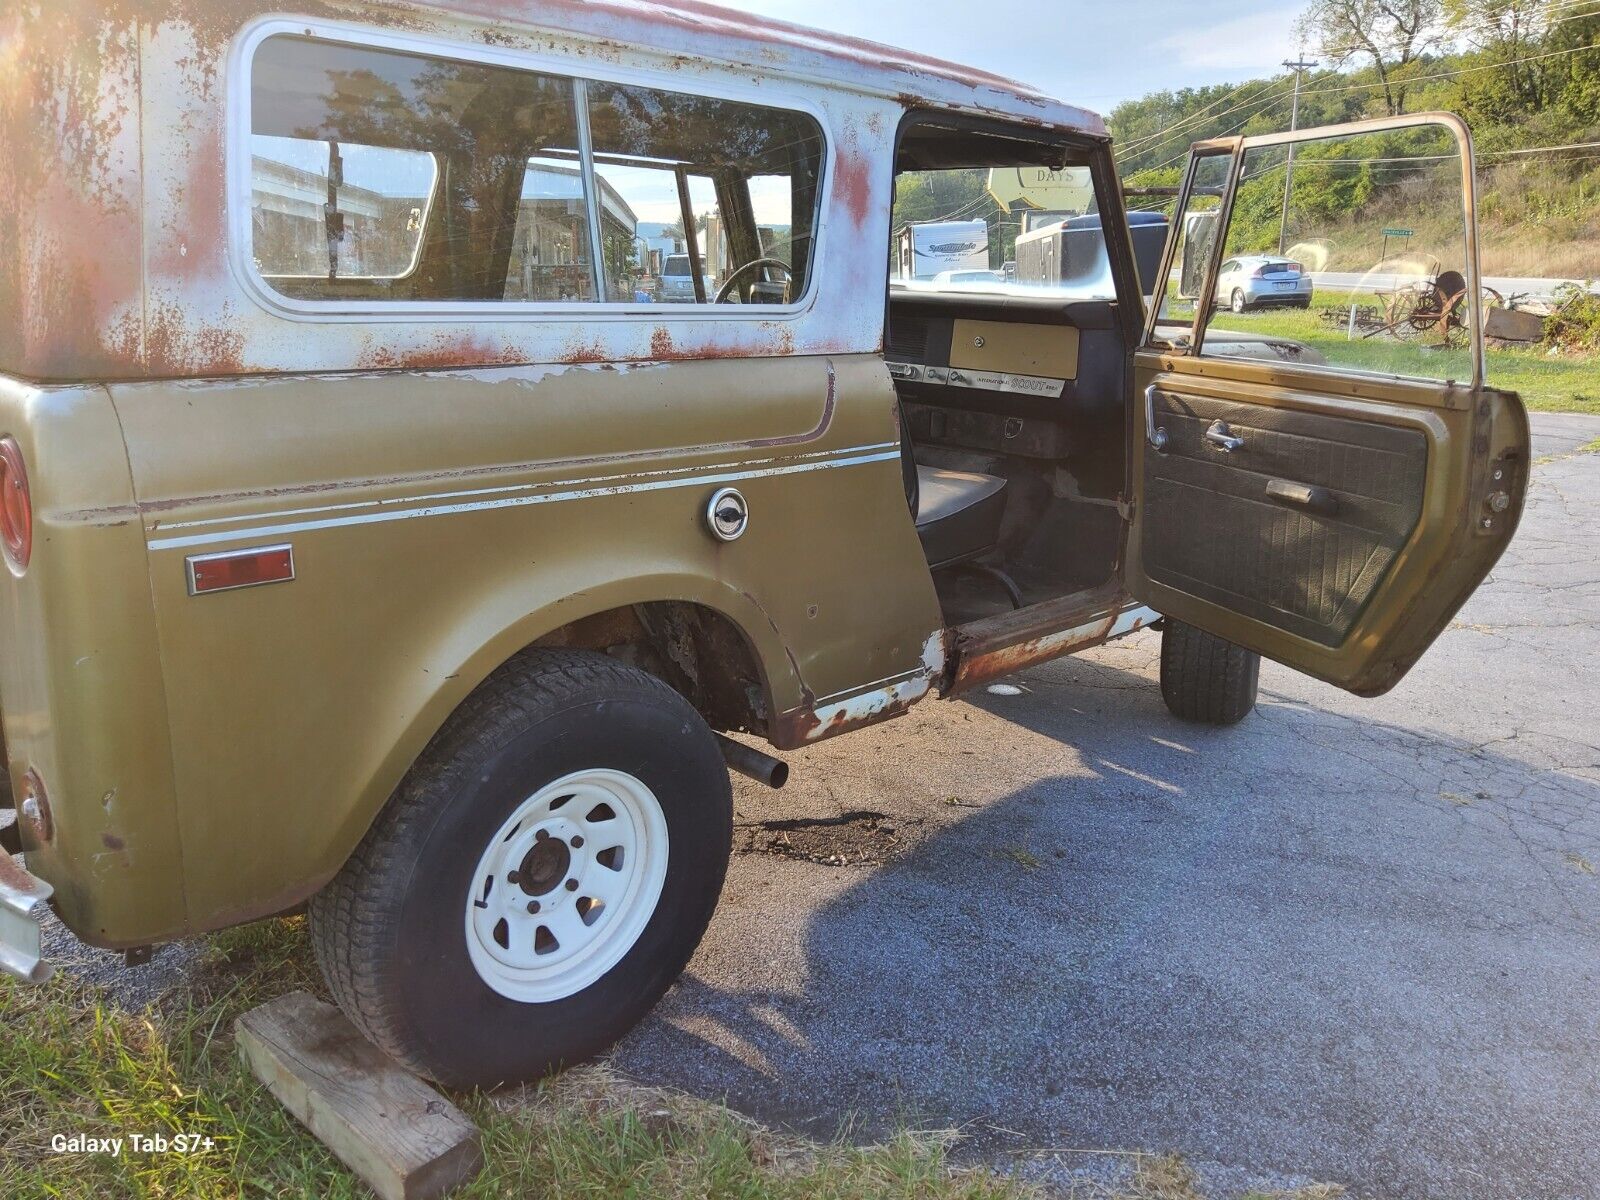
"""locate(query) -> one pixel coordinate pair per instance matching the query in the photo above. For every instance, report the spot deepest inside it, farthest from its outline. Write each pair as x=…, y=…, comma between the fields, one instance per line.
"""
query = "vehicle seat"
x=958, y=514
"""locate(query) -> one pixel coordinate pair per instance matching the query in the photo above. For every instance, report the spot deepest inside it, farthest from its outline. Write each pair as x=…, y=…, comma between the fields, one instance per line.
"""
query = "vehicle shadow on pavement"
x=1309, y=943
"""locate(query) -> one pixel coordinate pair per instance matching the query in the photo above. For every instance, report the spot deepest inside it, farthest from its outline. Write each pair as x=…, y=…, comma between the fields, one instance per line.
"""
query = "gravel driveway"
x=1349, y=940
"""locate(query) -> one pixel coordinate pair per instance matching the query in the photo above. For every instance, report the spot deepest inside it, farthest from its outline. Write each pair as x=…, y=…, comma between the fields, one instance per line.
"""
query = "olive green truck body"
x=437, y=482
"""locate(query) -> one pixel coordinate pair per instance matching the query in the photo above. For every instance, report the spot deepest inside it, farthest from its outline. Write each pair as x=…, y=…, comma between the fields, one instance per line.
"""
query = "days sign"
x=1070, y=189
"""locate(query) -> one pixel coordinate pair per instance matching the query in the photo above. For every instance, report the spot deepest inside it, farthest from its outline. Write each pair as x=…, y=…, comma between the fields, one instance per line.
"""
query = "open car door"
x=1319, y=471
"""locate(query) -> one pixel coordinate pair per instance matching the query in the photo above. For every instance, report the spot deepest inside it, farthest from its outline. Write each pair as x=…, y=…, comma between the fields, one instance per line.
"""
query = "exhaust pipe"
x=746, y=760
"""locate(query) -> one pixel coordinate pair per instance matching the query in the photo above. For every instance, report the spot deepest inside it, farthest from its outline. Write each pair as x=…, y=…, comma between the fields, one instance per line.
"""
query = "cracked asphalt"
x=1349, y=940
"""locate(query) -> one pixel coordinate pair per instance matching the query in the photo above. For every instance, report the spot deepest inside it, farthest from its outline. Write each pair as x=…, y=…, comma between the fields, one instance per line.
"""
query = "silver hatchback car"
x=1257, y=280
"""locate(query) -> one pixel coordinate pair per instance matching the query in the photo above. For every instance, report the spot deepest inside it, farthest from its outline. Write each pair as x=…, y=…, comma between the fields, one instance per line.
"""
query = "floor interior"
x=1072, y=547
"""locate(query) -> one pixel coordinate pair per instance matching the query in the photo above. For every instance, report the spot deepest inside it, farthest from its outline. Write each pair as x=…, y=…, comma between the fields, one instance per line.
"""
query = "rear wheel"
x=1204, y=678
x=1237, y=303
x=539, y=879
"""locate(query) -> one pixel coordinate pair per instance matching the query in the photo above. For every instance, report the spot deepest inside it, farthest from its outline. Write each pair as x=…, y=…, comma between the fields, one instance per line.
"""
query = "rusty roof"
x=692, y=27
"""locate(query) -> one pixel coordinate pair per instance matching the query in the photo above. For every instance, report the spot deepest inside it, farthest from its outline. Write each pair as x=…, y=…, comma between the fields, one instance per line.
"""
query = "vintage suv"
x=372, y=542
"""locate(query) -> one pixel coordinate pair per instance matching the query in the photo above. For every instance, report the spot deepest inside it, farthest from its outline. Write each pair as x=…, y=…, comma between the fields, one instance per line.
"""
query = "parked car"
x=984, y=276
x=1262, y=281
x=677, y=281
x=347, y=565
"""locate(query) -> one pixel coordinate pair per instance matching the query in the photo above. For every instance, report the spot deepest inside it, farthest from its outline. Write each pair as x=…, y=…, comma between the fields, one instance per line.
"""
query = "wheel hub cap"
x=544, y=867
x=566, y=885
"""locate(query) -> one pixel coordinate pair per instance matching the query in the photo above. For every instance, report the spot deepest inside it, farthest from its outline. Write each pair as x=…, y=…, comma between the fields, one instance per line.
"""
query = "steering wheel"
x=725, y=292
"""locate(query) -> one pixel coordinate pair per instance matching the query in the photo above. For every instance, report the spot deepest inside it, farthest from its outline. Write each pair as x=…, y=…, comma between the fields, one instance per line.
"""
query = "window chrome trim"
x=238, y=196
x=591, y=190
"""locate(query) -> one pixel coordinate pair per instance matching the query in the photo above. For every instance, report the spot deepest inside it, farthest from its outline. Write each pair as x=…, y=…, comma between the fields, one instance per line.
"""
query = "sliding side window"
x=381, y=175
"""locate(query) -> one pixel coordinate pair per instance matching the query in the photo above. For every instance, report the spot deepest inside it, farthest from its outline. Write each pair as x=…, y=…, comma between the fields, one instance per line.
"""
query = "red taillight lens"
x=16, y=506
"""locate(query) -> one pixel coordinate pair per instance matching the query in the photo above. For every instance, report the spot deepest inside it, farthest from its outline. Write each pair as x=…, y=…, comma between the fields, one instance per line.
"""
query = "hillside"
x=1534, y=109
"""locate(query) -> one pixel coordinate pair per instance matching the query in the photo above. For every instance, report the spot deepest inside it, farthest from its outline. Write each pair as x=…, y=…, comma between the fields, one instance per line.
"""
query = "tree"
x=1394, y=34
x=1506, y=31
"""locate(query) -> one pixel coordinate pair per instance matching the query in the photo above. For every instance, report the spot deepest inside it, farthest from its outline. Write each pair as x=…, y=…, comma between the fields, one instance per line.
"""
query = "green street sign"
x=1397, y=233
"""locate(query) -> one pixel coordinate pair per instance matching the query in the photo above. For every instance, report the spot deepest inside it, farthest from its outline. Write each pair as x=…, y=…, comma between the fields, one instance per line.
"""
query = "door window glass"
x=1355, y=249
x=1197, y=235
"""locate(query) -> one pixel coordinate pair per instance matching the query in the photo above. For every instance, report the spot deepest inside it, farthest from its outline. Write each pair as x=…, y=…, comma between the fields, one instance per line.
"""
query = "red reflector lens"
x=16, y=506
x=240, y=568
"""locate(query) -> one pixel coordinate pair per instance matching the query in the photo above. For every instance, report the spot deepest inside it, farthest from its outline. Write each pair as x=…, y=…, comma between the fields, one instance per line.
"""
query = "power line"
x=1410, y=79
x=1134, y=145
x=1261, y=87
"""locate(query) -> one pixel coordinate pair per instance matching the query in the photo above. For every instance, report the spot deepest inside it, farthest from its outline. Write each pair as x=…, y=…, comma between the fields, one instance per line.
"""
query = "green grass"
x=1565, y=383
x=72, y=1062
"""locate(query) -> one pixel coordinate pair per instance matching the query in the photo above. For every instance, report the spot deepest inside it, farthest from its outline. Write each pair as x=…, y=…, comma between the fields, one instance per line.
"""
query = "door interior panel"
x=1296, y=527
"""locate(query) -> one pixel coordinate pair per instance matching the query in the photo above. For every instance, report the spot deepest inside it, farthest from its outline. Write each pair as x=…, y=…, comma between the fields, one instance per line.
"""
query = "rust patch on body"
x=852, y=181
x=973, y=669
x=802, y=727
x=443, y=351
x=175, y=344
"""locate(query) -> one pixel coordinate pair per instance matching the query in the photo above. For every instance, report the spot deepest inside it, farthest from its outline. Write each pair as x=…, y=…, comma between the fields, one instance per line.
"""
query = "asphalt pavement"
x=1355, y=941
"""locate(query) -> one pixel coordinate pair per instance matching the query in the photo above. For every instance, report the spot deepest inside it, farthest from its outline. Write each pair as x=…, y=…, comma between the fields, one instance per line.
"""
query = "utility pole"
x=1299, y=65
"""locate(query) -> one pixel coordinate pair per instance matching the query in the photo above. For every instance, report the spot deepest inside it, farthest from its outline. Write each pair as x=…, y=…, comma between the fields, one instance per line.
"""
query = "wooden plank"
x=406, y=1140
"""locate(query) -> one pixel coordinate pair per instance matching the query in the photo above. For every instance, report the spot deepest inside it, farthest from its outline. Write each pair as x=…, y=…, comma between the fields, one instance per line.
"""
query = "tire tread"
x=1205, y=678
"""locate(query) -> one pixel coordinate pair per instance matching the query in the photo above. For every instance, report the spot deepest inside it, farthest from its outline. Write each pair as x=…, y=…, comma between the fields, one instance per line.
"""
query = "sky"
x=1086, y=52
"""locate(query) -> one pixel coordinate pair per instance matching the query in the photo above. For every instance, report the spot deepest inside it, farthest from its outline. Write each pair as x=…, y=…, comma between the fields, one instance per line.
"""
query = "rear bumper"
x=1257, y=294
x=21, y=939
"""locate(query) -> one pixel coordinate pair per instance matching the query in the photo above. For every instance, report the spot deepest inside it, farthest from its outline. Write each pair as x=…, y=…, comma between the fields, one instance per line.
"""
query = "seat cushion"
x=958, y=513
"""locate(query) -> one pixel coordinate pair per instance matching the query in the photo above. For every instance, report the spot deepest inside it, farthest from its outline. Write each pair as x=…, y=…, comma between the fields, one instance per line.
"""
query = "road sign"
x=1068, y=190
x=1397, y=233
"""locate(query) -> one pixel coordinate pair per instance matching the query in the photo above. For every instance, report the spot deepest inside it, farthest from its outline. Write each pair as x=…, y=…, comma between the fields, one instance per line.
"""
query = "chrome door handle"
x=1218, y=435
x=1154, y=434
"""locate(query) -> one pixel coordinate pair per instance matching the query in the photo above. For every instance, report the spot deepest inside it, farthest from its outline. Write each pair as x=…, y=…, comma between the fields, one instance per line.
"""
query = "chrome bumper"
x=21, y=941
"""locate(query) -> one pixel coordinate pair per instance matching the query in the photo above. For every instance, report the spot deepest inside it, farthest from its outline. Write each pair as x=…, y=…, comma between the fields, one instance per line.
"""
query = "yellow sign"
x=1068, y=190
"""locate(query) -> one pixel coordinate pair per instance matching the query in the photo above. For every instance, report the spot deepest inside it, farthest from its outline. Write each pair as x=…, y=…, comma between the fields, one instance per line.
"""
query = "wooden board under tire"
x=403, y=1138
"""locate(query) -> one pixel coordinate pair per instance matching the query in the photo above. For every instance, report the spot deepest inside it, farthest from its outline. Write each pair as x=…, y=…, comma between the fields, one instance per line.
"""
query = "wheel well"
x=699, y=651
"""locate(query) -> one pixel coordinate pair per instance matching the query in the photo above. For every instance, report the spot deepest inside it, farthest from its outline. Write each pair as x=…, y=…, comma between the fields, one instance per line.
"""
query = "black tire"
x=1204, y=678
x=1237, y=302
x=389, y=930
x=1303, y=305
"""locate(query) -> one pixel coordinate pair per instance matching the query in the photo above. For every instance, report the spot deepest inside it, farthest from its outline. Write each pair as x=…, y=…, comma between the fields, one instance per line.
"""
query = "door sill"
x=993, y=647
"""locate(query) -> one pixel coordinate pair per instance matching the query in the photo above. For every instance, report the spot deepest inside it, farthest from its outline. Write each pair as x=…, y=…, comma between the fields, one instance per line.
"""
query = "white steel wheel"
x=566, y=885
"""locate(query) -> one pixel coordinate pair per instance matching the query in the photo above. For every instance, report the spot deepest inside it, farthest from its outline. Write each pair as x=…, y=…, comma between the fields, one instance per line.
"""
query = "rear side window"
x=383, y=175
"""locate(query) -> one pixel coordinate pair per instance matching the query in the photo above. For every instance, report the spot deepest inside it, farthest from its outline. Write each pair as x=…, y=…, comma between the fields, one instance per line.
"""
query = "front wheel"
x=1237, y=304
x=539, y=879
x=1204, y=678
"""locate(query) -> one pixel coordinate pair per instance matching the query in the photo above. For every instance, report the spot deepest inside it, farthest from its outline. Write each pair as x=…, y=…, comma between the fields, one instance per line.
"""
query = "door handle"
x=1218, y=435
x=1153, y=433
x=1303, y=495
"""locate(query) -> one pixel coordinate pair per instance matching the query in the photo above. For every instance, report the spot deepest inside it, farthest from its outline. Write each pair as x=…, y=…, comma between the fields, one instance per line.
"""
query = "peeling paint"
x=975, y=667
x=112, y=204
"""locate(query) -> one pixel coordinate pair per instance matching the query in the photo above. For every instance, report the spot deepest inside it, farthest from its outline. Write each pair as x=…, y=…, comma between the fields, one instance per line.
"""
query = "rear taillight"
x=16, y=506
